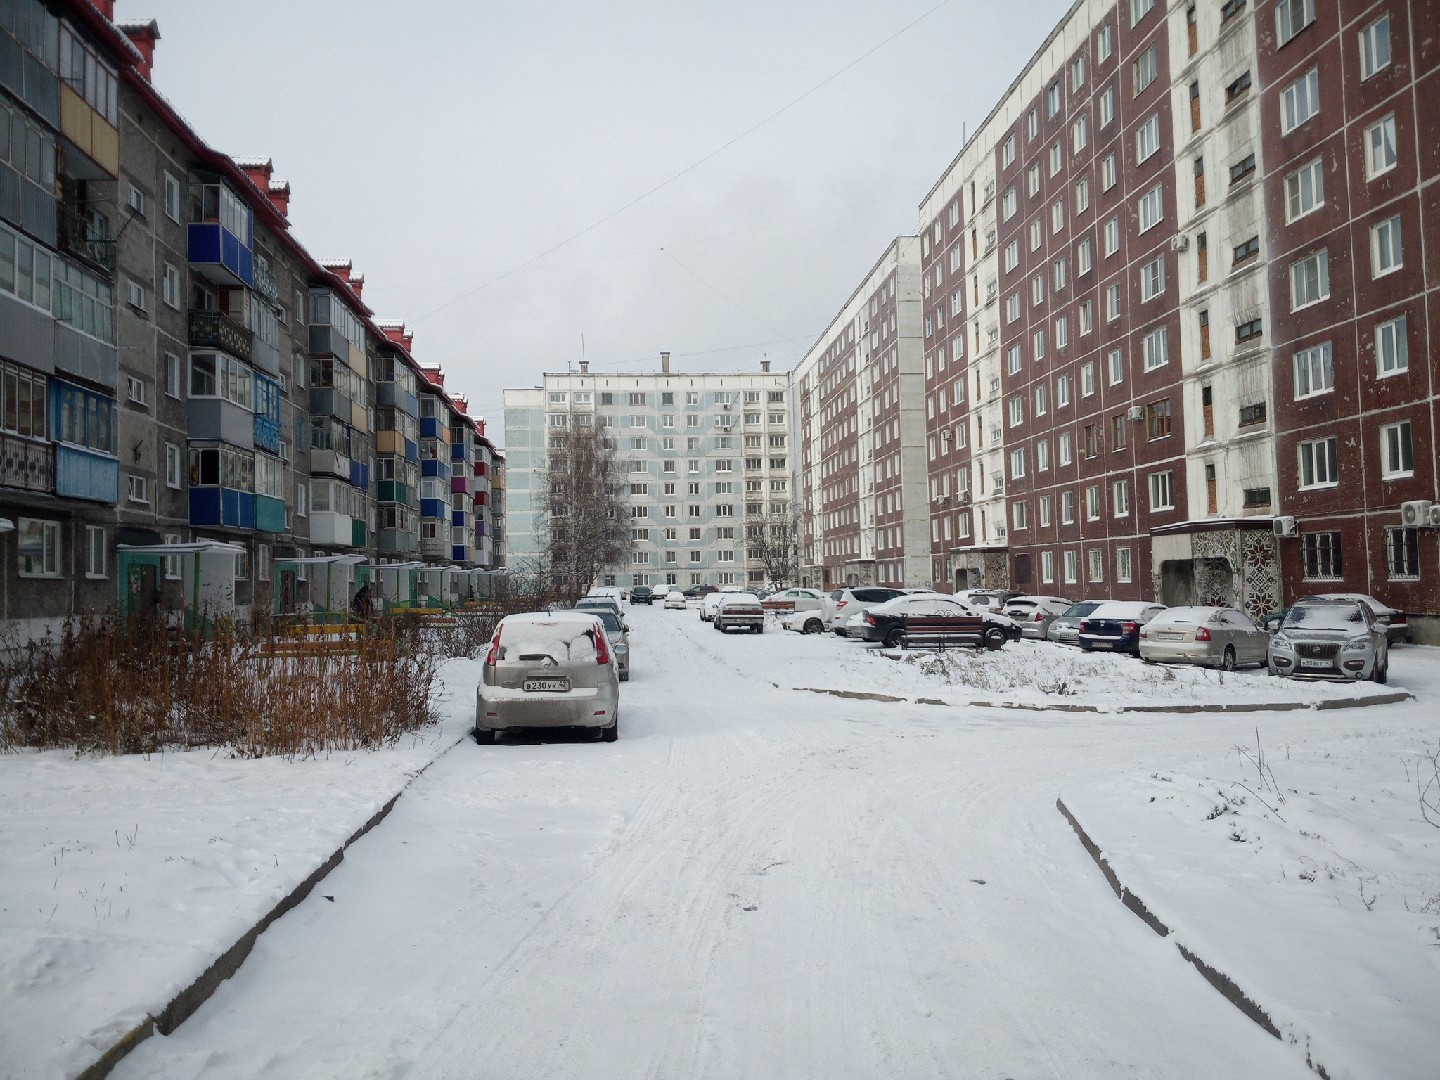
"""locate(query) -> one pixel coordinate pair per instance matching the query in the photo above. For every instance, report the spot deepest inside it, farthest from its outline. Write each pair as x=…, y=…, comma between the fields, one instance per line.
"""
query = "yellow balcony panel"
x=89, y=131
x=389, y=442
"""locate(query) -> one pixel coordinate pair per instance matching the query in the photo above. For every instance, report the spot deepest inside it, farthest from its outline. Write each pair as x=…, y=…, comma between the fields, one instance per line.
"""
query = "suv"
x=847, y=602
x=1330, y=639
x=642, y=594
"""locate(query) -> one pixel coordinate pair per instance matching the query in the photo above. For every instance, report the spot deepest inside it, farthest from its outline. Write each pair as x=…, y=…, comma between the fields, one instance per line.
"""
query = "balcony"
x=86, y=474
x=393, y=491
x=221, y=256
x=222, y=507
x=26, y=465
x=86, y=235
x=216, y=330
x=266, y=285
x=269, y=514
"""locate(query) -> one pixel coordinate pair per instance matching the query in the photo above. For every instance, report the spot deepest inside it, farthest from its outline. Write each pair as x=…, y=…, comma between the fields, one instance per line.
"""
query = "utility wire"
x=692, y=166
x=724, y=296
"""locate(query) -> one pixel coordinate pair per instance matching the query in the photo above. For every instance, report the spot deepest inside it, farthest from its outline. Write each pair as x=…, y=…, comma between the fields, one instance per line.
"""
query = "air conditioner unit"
x=1416, y=515
x=1137, y=412
x=1286, y=526
x=1179, y=243
x=965, y=497
x=726, y=406
x=943, y=500
x=1435, y=516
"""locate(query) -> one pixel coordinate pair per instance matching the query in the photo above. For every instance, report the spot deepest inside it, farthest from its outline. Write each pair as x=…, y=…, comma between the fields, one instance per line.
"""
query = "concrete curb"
x=185, y=1003
x=1228, y=988
x=1237, y=707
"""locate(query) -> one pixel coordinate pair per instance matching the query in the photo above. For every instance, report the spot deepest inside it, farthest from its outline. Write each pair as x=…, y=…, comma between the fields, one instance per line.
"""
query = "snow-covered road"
x=753, y=882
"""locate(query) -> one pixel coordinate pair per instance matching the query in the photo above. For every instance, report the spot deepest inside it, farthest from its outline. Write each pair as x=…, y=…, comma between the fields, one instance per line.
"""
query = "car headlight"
x=1280, y=641
x=1359, y=644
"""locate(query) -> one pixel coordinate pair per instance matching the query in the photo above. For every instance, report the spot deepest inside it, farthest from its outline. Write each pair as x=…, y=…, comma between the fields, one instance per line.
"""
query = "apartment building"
x=860, y=430
x=174, y=365
x=1175, y=305
x=707, y=455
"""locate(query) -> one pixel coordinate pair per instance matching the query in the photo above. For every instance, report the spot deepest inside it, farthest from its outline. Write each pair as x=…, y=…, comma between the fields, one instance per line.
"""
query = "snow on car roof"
x=1119, y=609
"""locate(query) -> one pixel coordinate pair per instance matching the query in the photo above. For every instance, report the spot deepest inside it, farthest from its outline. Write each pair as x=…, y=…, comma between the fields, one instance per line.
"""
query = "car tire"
x=625, y=676
x=611, y=733
x=813, y=626
x=1227, y=662
x=1381, y=673
x=994, y=638
x=486, y=738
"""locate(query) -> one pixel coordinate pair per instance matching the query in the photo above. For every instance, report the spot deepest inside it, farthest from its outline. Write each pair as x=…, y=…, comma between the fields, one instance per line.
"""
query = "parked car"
x=739, y=611
x=987, y=599
x=1219, y=637
x=1034, y=614
x=617, y=630
x=598, y=603
x=613, y=591
x=1114, y=626
x=848, y=601
x=709, y=603
x=548, y=669
x=675, y=600
x=1066, y=628
x=699, y=590
x=804, y=621
x=794, y=600
x=1330, y=639
x=1396, y=625
x=934, y=620
x=642, y=594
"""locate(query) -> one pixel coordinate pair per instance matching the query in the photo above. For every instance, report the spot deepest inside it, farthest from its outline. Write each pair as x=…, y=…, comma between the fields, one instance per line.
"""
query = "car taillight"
x=493, y=656
x=1144, y=631
x=1038, y=617
x=1084, y=626
x=840, y=603
x=1202, y=634
x=870, y=618
x=602, y=646
x=1129, y=627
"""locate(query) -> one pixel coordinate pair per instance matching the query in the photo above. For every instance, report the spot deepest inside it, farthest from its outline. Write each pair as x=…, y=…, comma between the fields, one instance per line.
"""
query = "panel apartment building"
x=1176, y=305
x=706, y=454
x=174, y=365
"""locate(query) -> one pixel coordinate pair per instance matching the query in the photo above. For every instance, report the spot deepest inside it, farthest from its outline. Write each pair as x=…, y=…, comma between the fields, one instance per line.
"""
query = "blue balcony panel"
x=84, y=474
x=431, y=427
x=359, y=475
x=412, y=450
x=457, y=518
x=220, y=255
x=222, y=507
x=459, y=553
x=267, y=434
x=434, y=508
x=269, y=514
x=432, y=467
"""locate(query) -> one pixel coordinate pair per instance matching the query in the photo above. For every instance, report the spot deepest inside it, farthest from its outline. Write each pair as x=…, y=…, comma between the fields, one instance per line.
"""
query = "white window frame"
x=1152, y=208
x=1392, y=347
x=1319, y=464
x=1304, y=190
x=1156, y=349
x=1381, y=150
x=1375, y=51
x=1147, y=139
x=1300, y=101
x=1162, y=491
x=1292, y=16
x=174, y=467
x=1387, y=251
x=1397, y=451
x=95, y=552
x=1152, y=279
x=1313, y=371
x=1310, y=280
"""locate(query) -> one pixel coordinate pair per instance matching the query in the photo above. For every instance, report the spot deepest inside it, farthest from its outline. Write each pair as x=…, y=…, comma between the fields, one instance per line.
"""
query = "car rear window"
x=563, y=639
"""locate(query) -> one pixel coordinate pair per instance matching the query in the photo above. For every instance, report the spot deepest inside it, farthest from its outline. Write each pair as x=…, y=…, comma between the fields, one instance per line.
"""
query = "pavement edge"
x=185, y=1003
x=1228, y=988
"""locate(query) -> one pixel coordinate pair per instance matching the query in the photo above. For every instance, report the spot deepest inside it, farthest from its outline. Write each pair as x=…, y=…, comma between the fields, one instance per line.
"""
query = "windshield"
x=1326, y=617
x=1075, y=611
x=608, y=620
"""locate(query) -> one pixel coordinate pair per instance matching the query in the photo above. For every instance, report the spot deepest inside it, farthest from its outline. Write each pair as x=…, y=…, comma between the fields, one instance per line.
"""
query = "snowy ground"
x=753, y=881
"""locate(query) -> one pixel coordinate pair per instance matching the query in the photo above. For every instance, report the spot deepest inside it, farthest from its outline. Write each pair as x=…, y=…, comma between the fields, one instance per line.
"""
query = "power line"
x=692, y=166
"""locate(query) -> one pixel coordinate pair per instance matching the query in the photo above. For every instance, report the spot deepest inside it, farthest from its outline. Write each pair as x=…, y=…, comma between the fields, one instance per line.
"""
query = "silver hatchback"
x=548, y=669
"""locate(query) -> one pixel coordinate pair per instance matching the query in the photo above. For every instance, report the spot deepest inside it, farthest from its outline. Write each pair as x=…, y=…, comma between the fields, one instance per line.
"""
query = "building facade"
x=706, y=456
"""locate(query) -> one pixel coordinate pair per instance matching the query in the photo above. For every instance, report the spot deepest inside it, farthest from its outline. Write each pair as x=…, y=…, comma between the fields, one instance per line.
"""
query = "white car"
x=710, y=603
x=795, y=600
x=804, y=621
x=675, y=599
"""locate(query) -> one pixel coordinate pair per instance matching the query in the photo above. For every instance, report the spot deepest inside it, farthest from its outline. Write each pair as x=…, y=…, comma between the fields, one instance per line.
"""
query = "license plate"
x=1100, y=644
x=1168, y=637
x=547, y=684
x=1316, y=664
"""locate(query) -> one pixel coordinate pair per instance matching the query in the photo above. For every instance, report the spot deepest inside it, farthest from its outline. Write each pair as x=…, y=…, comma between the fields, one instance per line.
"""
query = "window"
x=172, y=466
x=1062, y=391
x=1292, y=16
x=1375, y=47
x=1392, y=349
x=1402, y=553
x=1012, y=307
x=137, y=488
x=1252, y=414
x=1059, y=273
x=1042, y=464
x=1321, y=556
x=38, y=543
x=1082, y=195
x=1112, y=236
x=1112, y=303
x=172, y=375
x=1062, y=332
x=1017, y=463
x=1104, y=43
x=1152, y=278
x=1248, y=330
x=1095, y=560
x=1386, y=255
x=1144, y=70
x=1072, y=567
x=1037, y=233
x=1304, y=190
x=172, y=198
x=1032, y=179
x=1310, y=280
x=1139, y=9
x=1057, y=216
x=135, y=295
x=1107, y=172
x=1041, y=399
x=1314, y=371
x=1020, y=515
x=1120, y=498
x=1067, y=508
x=1319, y=464
x=94, y=551
x=1242, y=168
x=1080, y=134
x=1255, y=498
x=1300, y=101
x=1092, y=502
x=1162, y=491
x=1052, y=100
x=1237, y=87
x=1009, y=203
x=1032, y=124
x=1016, y=406
x=170, y=286
x=1012, y=255
x=1245, y=252
x=1157, y=421
x=1147, y=139
x=1396, y=457
x=1007, y=153
x=1115, y=366
x=1123, y=568
x=1107, y=106
x=1152, y=207
x=1057, y=157
x=1380, y=155
x=135, y=390
x=1013, y=360
x=1087, y=379
x=1086, y=317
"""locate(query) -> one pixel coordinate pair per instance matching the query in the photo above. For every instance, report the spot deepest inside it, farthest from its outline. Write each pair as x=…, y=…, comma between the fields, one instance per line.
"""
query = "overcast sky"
x=492, y=168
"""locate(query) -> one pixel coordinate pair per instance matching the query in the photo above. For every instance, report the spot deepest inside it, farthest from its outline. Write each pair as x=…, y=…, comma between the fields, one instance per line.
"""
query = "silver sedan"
x=1217, y=637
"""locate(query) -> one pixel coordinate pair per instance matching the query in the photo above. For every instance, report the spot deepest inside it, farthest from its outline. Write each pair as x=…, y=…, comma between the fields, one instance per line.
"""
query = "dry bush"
x=103, y=686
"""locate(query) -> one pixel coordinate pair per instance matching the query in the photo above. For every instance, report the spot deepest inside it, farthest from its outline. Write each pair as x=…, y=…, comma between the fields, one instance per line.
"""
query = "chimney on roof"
x=394, y=331
x=765, y=365
x=462, y=405
x=104, y=7
x=409, y=340
x=665, y=363
x=279, y=192
x=142, y=35
x=584, y=367
x=357, y=285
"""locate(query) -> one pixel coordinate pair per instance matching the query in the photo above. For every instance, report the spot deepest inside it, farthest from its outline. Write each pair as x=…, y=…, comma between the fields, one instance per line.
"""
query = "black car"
x=642, y=594
x=699, y=590
x=935, y=622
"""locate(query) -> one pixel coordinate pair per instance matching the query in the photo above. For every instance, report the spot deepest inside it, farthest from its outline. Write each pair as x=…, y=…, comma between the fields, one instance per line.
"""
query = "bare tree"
x=584, y=512
x=773, y=540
